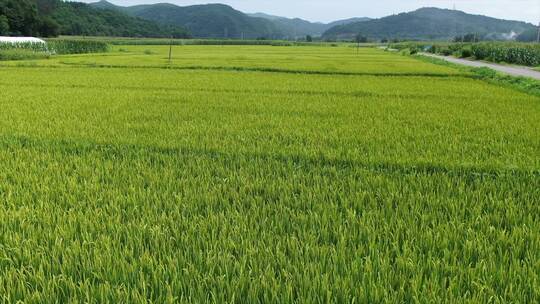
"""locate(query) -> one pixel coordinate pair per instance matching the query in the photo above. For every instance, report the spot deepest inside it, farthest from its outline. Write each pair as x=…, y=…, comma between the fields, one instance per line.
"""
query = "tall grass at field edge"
x=527, y=54
x=523, y=84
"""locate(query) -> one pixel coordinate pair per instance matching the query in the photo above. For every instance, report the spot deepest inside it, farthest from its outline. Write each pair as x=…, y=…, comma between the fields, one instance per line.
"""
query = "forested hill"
x=203, y=21
x=430, y=24
x=47, y=18
x=295, y=28
x=223, y=21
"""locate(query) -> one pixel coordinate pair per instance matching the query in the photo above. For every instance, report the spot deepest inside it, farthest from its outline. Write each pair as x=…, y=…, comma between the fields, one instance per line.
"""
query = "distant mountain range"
x=202, y=21
x=222, y=21
x=299, y=28
x=83, y=20
x=430, y=24
x=54, y=17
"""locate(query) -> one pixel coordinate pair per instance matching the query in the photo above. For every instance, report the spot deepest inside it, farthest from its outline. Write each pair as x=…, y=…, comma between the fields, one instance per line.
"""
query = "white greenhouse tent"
x=15, y=40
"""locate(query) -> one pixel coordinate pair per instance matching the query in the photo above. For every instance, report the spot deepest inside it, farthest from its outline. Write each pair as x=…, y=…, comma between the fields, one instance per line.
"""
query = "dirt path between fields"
x=511, y=70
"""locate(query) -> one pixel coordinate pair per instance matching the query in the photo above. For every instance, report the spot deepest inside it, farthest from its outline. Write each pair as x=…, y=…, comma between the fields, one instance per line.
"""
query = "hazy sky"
x=330, y=10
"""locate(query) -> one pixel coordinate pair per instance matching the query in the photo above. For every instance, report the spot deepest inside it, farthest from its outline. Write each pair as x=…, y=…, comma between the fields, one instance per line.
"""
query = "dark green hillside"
x=105, y=5
x=203, y=21
x=530, y=35
x=296, y=27
x=347, y=21
x=21, y=17
x=428, y=24
x=222, y=21
x=82, y=19
x=49, y=18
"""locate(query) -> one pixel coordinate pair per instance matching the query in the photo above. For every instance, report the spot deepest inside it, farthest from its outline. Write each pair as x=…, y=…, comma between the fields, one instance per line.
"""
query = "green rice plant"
x=314, y=60
x=128, y=180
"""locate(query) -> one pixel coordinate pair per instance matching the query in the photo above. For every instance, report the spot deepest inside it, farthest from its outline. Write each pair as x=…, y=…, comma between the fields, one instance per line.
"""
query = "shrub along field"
x=379, y=179
x=527, y=54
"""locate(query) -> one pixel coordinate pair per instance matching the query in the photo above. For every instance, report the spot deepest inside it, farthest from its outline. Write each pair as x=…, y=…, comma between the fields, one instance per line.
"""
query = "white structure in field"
x=15, y=40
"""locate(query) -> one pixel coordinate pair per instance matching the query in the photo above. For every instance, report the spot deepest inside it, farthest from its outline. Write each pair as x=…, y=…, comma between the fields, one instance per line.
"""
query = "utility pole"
x=538, y=37
x=170, y=50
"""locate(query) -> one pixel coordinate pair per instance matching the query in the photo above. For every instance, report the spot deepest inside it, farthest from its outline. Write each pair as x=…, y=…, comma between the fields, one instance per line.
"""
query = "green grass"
x=159, y=184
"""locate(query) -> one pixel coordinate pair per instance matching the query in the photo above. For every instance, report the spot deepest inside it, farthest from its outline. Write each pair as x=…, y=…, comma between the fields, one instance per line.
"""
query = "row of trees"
x=528, y=36
x=24, y=17
x=49, y=18
x=468, y=38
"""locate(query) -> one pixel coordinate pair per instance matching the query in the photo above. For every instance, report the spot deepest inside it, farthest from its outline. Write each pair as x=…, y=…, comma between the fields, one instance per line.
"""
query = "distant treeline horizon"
x=50, y=18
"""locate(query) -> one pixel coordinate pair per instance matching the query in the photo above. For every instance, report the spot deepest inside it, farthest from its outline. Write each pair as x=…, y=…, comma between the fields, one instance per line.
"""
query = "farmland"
x=265, y=174
x=525, y=54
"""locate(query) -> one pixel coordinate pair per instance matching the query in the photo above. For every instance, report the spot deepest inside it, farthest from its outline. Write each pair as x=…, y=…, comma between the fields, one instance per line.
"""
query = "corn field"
x=517, y=53
x=60, y=47
x=527, y=54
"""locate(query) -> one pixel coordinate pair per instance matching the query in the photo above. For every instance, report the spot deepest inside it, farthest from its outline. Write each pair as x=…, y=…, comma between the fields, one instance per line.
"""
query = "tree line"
x=27, y=18
x=50, y=18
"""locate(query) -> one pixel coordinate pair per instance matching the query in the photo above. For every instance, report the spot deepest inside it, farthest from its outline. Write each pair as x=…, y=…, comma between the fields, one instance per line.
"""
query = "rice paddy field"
x=260, y=174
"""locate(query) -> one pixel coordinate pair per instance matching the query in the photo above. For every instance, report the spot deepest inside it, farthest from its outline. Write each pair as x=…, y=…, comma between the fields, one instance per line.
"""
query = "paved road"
x=511, y=70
